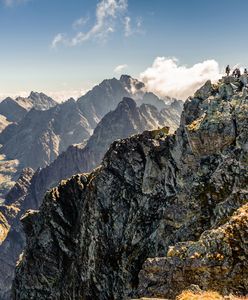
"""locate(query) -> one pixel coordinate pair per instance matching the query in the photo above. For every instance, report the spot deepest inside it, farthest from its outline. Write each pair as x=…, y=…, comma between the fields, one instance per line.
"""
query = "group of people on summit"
x=236, y=72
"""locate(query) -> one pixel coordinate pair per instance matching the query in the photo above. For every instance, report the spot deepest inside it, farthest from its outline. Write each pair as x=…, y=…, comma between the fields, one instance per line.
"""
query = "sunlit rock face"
x=160, y=213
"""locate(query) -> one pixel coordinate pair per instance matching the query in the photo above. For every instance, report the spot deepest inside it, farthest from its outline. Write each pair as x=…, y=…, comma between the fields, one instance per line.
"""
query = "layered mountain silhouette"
x=40, y=136
x=106, y=96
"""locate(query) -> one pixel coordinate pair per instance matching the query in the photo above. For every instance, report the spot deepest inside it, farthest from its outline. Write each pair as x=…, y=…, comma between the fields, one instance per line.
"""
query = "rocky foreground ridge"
x=127, y=119
x=158, y=215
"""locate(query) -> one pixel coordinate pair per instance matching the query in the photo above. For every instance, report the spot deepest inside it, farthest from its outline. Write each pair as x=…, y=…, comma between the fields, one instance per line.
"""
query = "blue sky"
x=131, y=34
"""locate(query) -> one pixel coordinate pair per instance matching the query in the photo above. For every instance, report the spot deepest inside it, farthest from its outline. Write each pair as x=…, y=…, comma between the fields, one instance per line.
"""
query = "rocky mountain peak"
x=132, y=85
x=15, y=109
x=128, y=102
x=41, y=101
x=125, y=78
x=105, y=234
x=8, y=99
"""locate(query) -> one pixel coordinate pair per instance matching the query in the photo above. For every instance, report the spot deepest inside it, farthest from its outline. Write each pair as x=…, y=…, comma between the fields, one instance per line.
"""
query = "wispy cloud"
x=10, y=3
x=80, y=22
x=109, y=15
x=120, y=68
x=131, y=27
x=107, y=12
x=127, y=26
x=58, y=39
x=166, y=77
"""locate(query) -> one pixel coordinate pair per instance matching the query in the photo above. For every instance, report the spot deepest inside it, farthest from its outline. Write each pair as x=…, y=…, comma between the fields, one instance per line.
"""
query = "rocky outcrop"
x=3, y=123
x=126, y=120
x=217, y=261
x=152, y=195
x=20, y=189
x=8, y=170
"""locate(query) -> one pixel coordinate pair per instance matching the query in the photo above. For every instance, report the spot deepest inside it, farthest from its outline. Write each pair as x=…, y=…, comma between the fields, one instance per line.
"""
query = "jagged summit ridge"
x=94, y=232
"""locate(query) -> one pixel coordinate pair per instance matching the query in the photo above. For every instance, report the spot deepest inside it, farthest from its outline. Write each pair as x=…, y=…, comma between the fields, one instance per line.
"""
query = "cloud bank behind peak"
x=166, y=77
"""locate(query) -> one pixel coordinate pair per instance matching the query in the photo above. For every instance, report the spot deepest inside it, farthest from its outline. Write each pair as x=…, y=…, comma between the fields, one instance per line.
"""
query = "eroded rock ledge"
x=185, y=195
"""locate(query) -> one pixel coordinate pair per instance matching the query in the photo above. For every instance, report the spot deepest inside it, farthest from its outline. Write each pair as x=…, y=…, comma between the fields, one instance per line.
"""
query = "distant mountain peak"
x=8, y=99
x=125, y=78
x=128, y=102
x=33, y=94
x=41, y=101
x=133, y=85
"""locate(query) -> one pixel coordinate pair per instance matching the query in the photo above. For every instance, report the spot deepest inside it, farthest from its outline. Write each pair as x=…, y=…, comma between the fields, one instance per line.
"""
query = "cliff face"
x=218, y=259
x=126, y=120
x=185, y=194
x=3, y=123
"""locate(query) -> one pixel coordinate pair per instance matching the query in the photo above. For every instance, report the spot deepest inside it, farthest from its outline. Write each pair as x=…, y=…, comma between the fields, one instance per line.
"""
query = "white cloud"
x=167, y=78
x=58, y=39
x=130, y=28
x=120, y=68
x=127, y=26
x=110, y=14
x=80, y=22
x=107, y=12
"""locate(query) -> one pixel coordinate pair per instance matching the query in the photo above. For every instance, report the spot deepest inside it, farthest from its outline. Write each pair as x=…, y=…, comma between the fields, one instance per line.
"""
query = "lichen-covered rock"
x=151, y=195
x=217, y=261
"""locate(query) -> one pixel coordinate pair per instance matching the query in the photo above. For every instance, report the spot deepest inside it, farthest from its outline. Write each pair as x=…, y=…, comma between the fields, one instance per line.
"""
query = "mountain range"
x=41, y=129
x=127, y=119
x=15, y=109
x=161, y=214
